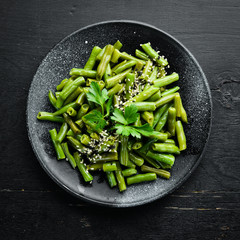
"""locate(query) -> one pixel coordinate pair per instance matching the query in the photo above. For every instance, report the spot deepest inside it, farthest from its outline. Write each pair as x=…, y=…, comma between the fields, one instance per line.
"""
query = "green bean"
x=125, y=66
x=62, y=132
x=145, y=106
x=123, y=154
x=92, y=59
x=138, y=67
x=161, y=82
x=71, y=112
x=147, y=145
x=165, y=148
x=117, y=45
x=162, y=121
x=120, y=178
x=52, y=98
x=69, y=90
x=75, y=143
x=153, y=54
x=85, y=139
x=49, y=117
x=80, y=123
x=82, y=111
x=73, y=96
x=136, y=159
x=146, y=71
x=126, y=56
x=141, y=55
x=148, y=117
x=170, y=91
x=145, y=94
x=141, y=178
x=115, y=56
x=161, y=72
x=162, y=89
x=57, y=146
x=137, y=145
x=177, y=104
x=149, y=160
x=69, y=156
x=130, y=78
x=131, y=141
x=116, y=89
x=119, y=65
x=108, y=73
x=138, y=121
x=153, y=75
x=179, y=108
x=116, y=101
x=129, y=172
x=99, y=56
x=159, y=135
x=69, y=82
x=81, y=98
x=112, y=81
x=82, y=169
x=102, y=66
x=70, y=133
x=171, y=121
x=111, y=179
x=130, y=164
x=107, y=157
x=158, y=114
x=83, y=72
x=65, y=108
x=170, y=141
x=109, y=167
x=165, y=99
x=181, y=136
x=160, y=172
x=71, y=124
x=94, y=135
x=62, y=84
x=101, y=84
x=109, y=141
x=95, y=166
x=156, y=96
x=57, y=94
x=165, y=158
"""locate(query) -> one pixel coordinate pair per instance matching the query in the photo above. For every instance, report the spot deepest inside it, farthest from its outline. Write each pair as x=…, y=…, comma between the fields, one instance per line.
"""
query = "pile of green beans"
x=142, y=81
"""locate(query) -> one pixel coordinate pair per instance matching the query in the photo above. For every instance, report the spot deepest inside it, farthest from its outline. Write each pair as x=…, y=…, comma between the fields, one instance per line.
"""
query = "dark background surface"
x=207, y=206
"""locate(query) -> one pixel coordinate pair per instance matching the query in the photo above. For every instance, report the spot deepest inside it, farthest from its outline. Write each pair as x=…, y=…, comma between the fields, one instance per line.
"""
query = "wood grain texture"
x=205, y=207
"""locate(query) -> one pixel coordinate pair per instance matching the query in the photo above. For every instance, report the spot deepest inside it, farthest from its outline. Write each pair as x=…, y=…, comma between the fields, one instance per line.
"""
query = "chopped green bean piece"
x=69, y=156
x=92, y=59
x=49, y=117
x=160, y=172
x=57, y=145
x=181, y=136
x=141, y=178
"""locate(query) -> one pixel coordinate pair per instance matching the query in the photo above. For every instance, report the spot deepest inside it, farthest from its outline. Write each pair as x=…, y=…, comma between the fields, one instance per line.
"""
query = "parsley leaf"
x=146, y=130
x=130, y=115
x=127, y=130
x=96, y=95
x=119, y=117
x=95, y=118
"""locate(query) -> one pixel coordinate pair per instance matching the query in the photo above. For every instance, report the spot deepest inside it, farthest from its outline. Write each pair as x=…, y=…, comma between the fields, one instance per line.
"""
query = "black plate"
x=73, y=51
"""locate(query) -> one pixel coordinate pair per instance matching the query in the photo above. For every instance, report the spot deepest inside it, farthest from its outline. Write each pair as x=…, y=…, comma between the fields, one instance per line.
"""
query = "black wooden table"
x=207, y=206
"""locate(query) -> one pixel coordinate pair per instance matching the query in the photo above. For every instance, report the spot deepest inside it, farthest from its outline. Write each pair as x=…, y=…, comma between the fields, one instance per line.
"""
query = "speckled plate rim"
x=147, y=200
